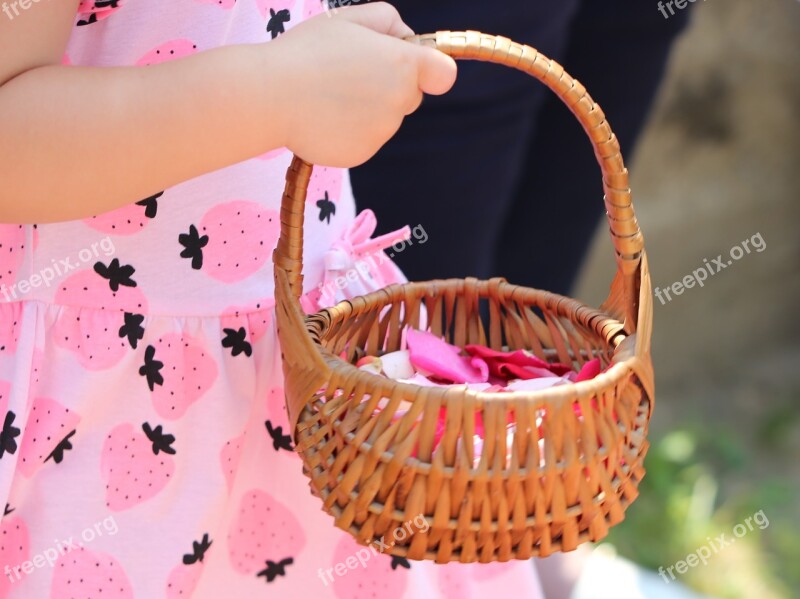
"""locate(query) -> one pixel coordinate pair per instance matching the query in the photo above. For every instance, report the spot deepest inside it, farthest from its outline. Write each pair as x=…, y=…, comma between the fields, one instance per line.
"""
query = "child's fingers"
x=414, y=102
x=437, y=71
x=378, y=16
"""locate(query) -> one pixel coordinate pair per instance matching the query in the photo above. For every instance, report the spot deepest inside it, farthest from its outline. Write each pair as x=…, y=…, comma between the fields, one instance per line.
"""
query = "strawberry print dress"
x=144, y=450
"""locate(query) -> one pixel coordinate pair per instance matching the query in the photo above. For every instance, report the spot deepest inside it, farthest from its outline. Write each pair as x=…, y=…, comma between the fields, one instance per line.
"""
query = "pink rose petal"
x=397, y=365
x=514, y=371
x=536, y=384
x=589, y=370
x=517, y=364
x=442, y=360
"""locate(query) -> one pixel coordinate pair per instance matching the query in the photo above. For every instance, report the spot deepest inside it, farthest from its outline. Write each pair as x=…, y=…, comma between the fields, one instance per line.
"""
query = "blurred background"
x=719, y=163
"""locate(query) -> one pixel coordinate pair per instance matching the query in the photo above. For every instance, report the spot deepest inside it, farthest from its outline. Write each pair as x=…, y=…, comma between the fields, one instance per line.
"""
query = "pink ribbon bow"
x=358, y=259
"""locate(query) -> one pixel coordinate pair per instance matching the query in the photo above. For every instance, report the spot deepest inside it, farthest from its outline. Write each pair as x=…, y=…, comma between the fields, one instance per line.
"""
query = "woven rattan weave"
x=573, y=460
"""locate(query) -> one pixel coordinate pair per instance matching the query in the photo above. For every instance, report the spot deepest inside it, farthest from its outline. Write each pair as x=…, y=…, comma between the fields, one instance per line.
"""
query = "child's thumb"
x=437, y=71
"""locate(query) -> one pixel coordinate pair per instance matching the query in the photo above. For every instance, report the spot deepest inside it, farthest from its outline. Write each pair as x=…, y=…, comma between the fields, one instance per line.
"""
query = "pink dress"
x=144, y=449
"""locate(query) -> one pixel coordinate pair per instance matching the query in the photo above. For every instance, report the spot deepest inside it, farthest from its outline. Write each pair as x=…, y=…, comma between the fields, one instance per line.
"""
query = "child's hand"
x=332, y=89
x=347, y=80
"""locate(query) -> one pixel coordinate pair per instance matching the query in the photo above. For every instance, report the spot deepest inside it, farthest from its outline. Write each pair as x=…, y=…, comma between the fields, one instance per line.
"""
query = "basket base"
x=563, y=476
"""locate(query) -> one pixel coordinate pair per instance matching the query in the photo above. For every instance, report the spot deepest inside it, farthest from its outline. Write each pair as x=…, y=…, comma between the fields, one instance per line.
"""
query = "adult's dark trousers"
x=498, y=172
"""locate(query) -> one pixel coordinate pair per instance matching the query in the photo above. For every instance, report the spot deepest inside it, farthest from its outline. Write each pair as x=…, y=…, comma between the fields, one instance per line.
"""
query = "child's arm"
x=77, y=141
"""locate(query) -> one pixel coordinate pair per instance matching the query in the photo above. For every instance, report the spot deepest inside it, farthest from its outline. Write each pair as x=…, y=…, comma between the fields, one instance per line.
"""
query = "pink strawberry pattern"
x=256, y=318
x=324, y=190
x=264, y=7
x=136, y=464
x=10, y=316
x=9, y=434
x=81, y=573
x=92, y=11
x=381, y=577
x=184, y=577
x=142, y=357
x=276, y=405
x=14, y=549
x=325, y=180
x=187, y=374
x=37, y=360
x=48, y=435
x=128, y=219
x=94, y=336
x=281, y=438
x=240, y=236
x=230, y=456
x=12, y=254
x=265, y=537
x=183, y=580
x=5, y=393
x=312, y=8
x=224, y=4
x=277, y=14
x=168, y=51
x=311, y=301
x=277, y=422
x=454, y=580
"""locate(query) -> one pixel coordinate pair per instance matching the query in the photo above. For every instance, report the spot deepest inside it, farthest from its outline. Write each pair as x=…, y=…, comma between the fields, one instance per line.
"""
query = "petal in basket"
x=442, y=360
x=498, y=474
x=435, y=360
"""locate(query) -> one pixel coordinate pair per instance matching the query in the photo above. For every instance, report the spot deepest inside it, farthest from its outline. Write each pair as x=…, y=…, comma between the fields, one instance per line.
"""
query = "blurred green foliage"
x=700, y=484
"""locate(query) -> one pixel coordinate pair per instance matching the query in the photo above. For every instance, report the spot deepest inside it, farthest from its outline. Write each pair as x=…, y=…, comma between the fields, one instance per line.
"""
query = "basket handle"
x=628, y=242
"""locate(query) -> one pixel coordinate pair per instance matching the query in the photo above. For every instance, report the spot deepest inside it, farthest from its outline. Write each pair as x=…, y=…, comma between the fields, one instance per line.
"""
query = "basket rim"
x=558, y=393
x=433, y=288
x=619, y=341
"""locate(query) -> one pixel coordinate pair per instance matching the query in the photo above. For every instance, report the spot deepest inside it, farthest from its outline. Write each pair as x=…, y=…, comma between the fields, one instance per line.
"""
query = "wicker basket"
x=575, y=458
